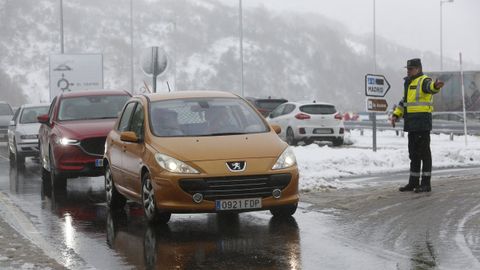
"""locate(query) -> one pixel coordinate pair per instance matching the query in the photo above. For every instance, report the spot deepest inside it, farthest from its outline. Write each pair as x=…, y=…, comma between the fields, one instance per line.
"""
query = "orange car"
x=198, y=151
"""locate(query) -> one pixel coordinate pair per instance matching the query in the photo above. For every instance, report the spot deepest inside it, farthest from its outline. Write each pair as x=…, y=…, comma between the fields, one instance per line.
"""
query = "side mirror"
x=12, y=123
x=277, y=129
x=129, y=136
x=43, y=119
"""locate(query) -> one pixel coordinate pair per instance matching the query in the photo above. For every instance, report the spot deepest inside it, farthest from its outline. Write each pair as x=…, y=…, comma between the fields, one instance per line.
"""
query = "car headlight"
x=286, y=159
x=67, y=141
x=29, y=137
x=173, y=165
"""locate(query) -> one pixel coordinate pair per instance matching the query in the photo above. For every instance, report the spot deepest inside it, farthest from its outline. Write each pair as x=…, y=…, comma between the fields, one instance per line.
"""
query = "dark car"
x=266, y=105
x=72, y=135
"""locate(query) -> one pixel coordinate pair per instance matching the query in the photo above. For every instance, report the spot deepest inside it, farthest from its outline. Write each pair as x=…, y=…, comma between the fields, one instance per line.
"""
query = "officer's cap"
x=414, y=63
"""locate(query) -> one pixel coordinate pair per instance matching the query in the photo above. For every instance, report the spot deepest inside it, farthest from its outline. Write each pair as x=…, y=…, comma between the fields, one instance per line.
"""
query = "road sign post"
x=376, y=87
x=154, y=63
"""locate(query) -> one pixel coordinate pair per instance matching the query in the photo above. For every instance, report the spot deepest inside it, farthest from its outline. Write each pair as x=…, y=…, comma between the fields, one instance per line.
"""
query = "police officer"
x=416, y=109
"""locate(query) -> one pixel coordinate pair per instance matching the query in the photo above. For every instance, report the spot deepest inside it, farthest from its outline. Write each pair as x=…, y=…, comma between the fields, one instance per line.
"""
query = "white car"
x=308, y=122
x=6, y=114
x=23, y=132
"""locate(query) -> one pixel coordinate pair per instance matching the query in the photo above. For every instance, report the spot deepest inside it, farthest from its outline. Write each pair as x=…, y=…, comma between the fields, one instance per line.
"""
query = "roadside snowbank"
x=322, y=166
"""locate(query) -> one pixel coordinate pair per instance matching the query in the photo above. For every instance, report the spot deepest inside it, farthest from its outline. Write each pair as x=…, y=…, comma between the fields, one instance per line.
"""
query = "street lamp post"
x=132, y=90
x=61, y=27
x=441, y=30
x=240, y=22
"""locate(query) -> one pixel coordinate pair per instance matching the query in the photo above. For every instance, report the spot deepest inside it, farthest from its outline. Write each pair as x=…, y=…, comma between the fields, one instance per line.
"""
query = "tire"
x=148, y=202
x=291, y=137
x=115, y=200
x=15, y=157
x=284, y=211
x=11, y=156
x=337, y=142
x=57, y=181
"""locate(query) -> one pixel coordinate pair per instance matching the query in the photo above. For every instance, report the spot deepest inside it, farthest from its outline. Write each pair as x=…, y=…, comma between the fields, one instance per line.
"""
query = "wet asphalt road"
x=76, y=228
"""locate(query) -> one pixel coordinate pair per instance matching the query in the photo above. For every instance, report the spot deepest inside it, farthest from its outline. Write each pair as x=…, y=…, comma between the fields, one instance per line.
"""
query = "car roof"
x=190, y=94
x=265, y=99
x=100, y=92
x=32, y=105
x=301, y=103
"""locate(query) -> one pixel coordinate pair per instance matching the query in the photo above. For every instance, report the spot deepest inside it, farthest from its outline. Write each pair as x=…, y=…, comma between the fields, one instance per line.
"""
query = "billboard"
x=450, y=97
x=73, y=72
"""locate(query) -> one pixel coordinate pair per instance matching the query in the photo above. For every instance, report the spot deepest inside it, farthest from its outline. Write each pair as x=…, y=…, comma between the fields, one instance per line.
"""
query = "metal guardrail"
x=438, y=127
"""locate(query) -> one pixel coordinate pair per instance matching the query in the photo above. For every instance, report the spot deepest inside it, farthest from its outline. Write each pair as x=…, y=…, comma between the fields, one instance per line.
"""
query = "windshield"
x=204, y=117
x=29, y=115
x=318, y=109
x=91, y=107
x=5, y=109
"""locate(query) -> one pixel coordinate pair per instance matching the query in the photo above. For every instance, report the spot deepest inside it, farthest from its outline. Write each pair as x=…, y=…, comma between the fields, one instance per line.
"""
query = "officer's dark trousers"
x=420, y=157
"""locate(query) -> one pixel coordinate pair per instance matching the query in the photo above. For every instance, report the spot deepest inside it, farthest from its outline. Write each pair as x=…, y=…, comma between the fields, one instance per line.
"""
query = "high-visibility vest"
x=417, y=101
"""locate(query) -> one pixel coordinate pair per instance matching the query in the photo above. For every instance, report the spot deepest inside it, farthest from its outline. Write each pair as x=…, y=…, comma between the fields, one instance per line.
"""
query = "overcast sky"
x=411, y=23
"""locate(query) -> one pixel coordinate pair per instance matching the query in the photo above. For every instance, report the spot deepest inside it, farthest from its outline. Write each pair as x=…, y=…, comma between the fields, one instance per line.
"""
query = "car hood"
x=85, y=129
x=27, y=129
x=5, y=120
x=260, y=145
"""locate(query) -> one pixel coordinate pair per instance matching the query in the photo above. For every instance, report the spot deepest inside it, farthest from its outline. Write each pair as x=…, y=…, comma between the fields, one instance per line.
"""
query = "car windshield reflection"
x=204, y=117
x=91, y=107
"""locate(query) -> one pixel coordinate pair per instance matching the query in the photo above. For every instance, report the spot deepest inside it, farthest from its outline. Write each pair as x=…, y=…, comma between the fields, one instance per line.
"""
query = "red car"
x=72, y=135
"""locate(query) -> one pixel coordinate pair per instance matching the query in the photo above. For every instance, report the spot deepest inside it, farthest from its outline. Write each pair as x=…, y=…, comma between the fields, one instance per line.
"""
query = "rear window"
x=29, y=115
x=5, y=109
x=318, y=109
x=204, y=117
x=269, y=105
x=91, y=107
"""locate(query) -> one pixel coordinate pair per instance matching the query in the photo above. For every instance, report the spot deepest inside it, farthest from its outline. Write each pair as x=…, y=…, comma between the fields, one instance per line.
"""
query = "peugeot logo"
x=237, y=166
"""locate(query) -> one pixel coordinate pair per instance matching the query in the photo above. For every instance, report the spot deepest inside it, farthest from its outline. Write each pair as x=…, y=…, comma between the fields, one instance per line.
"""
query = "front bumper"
x=171, y=197
x=71, y=161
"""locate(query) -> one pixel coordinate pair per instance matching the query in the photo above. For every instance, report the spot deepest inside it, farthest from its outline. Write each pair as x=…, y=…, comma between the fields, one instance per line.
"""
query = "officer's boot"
x=425, y=185
x=412, y=184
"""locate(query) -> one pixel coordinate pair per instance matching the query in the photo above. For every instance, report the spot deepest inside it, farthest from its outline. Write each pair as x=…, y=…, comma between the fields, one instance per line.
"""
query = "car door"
x=133, y=151
x=273, y=118
x=44, y=134
x=117, y=146
x=287, y=119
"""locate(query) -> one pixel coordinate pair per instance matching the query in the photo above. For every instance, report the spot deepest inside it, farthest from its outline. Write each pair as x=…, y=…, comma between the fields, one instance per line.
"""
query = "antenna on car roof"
x=168, y=85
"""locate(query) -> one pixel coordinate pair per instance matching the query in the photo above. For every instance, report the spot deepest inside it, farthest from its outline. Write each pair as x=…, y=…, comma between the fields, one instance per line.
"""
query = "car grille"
x=94, y=146
x=237, y=187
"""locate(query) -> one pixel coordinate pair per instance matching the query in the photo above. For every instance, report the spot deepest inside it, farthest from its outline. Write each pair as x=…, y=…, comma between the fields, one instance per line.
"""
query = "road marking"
x=18, y=220
x=460, y=238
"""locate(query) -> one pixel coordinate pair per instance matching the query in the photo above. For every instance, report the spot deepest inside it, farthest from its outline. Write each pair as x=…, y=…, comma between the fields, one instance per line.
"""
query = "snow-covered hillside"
x=296, y=56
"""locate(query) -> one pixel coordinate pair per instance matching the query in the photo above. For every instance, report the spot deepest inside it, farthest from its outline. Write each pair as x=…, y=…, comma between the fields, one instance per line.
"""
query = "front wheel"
x=115, y=200
x=57, y=181
x=148, y=202
x=284, y=210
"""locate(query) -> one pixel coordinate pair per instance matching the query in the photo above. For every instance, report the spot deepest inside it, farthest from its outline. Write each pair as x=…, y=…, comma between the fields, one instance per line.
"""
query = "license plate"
x=99, y=162
x=322, y=131
x=238, y=204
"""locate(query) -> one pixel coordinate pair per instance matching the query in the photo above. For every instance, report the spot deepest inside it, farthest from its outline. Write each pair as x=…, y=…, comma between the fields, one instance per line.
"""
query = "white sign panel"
x=376, y=85
x=73, y=72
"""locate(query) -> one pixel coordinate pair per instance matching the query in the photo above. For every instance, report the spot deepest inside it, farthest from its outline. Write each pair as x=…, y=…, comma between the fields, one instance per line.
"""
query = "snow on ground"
x=322, y=166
